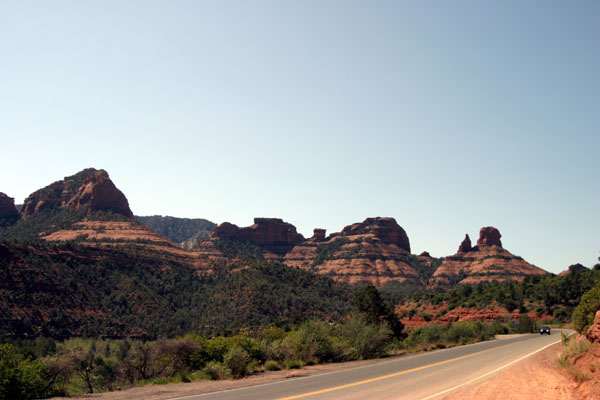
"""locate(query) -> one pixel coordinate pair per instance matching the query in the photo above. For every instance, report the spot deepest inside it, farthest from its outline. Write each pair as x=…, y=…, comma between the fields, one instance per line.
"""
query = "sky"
x=447, y=116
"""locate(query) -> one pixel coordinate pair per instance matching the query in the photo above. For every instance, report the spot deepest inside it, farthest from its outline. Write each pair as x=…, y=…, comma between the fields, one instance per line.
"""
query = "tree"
x=19, y=378
x=368, y=302
x=583, y=316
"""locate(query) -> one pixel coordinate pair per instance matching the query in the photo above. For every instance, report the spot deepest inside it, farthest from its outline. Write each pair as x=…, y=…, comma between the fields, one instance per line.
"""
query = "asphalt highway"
x=423, y=376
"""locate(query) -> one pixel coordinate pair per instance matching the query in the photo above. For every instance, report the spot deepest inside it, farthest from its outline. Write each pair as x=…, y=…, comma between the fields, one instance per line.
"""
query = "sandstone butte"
x=376, y=250
x=487, y=261
x=90, y=187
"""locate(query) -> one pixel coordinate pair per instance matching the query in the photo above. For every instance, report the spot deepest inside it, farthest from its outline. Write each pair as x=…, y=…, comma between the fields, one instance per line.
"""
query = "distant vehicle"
x=545, y=329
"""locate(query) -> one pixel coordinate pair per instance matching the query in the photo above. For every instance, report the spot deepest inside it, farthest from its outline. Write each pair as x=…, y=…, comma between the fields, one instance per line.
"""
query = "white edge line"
x=489, y=373
x=402, y=357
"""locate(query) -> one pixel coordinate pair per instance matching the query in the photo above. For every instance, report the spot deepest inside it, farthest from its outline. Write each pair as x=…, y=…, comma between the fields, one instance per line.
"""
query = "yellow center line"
x=379, y=378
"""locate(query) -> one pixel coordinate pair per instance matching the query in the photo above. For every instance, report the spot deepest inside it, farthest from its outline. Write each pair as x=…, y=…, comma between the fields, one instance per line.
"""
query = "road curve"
x=423, y=376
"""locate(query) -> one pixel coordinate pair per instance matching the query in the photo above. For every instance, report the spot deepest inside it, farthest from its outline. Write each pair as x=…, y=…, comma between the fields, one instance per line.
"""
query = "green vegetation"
x=441, y=336
x=22, y=378
x=178, y=229
x=584, y=313
x=554, y=296
x=78, y=366
x=86, y=291
x=240, y=249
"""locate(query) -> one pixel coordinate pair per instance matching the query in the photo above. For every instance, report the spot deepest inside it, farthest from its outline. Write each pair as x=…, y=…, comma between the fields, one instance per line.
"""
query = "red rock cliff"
x=465, y=246
x=8, y=211
x=264, y=232
x=385, y=229
x=489, y=236
x=89, y=187
x=100, y=193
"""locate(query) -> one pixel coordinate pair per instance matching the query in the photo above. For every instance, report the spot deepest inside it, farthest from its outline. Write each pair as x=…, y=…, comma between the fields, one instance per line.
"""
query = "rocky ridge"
x=486, y=262
x=91, y=188
x=271, y=233
x=376, y=250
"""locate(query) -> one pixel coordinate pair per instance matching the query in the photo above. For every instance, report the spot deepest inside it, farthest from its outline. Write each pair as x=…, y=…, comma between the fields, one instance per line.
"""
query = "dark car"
x=545, y=329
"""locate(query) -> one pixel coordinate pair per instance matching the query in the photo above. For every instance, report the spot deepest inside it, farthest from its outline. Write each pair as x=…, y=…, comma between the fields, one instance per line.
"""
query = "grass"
x=572, y=350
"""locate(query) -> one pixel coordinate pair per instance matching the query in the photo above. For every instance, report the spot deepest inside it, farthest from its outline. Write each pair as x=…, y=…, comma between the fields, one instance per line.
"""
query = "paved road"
x=422, y=376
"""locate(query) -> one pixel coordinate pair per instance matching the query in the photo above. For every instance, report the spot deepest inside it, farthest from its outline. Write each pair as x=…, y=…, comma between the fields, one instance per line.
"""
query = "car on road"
x=545, y=329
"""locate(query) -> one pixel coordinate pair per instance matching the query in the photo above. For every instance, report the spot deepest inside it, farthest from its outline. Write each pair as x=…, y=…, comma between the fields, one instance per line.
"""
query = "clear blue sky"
x=447, y=116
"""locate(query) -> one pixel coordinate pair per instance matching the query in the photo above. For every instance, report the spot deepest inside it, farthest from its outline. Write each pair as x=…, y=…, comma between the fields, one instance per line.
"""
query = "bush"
x=272, y=366
x=215, y=370
x=20, y=379
x=313, y=342
x=237, y=360
x=366, y=340
x=294, y=363
x=583, y=316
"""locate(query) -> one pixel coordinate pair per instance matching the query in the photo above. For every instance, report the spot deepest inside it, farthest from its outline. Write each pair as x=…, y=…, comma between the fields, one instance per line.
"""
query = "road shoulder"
x=538, y=376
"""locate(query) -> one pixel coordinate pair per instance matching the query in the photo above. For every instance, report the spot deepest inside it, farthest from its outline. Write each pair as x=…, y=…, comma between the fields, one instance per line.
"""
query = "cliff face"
x=270, y=233
x=100, y=193
x=486, y=262
x=8, y=211
x=385, y=229
x=376, y=251
x=90, y=187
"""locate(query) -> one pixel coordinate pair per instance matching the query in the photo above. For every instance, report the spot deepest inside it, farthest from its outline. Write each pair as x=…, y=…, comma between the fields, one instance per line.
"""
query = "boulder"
x=593, y=333
x=385, y=229
x=465, y=246
x=489, y=236
x=425, y=254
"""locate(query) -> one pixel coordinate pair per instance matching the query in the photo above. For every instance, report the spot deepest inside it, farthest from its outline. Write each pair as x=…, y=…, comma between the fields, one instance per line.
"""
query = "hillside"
x=187, y=232
x=61, y=291
x=76, y=262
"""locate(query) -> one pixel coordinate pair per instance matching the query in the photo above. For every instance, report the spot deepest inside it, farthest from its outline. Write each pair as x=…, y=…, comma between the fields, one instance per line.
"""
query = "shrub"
x=237, y=360
x=583, y=316
x=294, y=363
x=272, y=366
x=313, y=342
x=20, y=379
x=215, y=370
x=366, y=340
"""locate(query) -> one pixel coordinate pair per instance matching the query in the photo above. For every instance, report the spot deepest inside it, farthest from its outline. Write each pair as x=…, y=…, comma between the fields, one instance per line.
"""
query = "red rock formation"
x=8, y=211
x=593, y=333
x=465, y=246
x=489, y=236
x=264, y=232
x=100, y=193
x=89, y=187
x=486, y=262
x=573, y=268
x=385, y=229
x=318, y=235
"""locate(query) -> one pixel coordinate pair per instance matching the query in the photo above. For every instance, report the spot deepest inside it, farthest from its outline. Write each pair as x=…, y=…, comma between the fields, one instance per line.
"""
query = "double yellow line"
x=379, y=378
